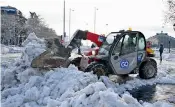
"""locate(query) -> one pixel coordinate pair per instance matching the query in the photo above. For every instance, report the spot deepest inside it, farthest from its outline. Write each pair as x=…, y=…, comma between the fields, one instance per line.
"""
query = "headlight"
x=93, y=53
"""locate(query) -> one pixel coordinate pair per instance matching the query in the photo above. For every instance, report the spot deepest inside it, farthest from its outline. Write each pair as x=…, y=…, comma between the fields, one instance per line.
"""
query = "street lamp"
x=86, y=25
x=106, y=29
x=64, y=33
x=70, y=22
x=95, y=17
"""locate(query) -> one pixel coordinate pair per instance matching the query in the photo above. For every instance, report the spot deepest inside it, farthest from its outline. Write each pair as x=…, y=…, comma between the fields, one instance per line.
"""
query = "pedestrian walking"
x=161, y=51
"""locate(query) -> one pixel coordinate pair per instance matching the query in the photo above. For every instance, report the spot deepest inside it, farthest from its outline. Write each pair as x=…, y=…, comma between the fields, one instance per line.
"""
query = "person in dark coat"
x=161, y=51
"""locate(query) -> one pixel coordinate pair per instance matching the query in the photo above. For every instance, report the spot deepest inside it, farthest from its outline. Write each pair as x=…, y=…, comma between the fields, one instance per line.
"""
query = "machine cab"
x=125, y=50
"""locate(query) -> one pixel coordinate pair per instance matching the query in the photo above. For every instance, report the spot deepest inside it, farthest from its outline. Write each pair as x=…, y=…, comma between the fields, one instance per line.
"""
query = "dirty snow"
x=64, y=87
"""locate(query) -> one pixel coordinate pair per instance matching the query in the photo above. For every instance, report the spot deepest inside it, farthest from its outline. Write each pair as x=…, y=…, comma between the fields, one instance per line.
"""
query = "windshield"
x=104, y=49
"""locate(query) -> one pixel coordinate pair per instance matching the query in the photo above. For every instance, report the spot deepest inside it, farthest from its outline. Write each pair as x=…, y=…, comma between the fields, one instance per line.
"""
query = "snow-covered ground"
x=9, y=54
x=10, y=49
x=23, y=86
x=166, y=55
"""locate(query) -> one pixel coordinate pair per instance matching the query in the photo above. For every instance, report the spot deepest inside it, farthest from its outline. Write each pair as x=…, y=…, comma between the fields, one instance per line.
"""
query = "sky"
x=146, y=16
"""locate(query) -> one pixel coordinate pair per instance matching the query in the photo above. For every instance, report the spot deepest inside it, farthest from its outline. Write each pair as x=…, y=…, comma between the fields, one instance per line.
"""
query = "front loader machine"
x=57, y=55
x=124, y=53
x=120, y=53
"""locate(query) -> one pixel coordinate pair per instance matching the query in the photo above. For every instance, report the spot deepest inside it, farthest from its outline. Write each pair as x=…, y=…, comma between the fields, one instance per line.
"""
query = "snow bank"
x=33, y=47
x=23, y=86
x=10, y=49
x=4, y=49
x=61, y=83
x=19, y=71
x=68, y=87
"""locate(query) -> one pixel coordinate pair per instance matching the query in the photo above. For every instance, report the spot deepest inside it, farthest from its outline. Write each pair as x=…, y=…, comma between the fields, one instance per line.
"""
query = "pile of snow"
x=23, y=86
x=44, y=90
x=33, y=47
x=18, y=70
x=68, y=87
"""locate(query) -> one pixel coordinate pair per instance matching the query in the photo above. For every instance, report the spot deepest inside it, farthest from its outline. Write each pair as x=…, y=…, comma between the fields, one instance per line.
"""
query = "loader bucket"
x=57, y=55
x=47, y=60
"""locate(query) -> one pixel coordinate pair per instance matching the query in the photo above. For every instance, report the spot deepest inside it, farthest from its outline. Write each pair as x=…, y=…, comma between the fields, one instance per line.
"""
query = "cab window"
x=118, y=47
x=141, y=42
x=129, y=44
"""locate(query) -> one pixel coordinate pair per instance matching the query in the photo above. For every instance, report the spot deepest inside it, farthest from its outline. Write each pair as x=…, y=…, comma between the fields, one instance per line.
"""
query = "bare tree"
x=15, y=28
x=37, y=25
x=12, y=28
x=170, y=12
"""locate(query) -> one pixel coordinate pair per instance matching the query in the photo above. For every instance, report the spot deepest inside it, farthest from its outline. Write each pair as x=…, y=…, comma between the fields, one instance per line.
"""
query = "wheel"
x=76, y=62
x=98, y=68
x=151, y=55
x=148, y=70
x=123, y=75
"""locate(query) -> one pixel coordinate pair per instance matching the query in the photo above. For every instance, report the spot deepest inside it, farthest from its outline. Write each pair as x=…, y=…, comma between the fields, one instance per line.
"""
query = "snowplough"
x=120, y=53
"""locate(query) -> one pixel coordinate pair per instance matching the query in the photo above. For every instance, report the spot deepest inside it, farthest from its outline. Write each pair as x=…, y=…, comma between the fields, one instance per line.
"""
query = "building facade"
x=162, y=38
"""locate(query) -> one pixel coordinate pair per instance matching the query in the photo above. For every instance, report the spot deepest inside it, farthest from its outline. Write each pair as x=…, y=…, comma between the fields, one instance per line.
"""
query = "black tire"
x=98, y=68
x=148, y=70
x=151, y=55
x=123, y=75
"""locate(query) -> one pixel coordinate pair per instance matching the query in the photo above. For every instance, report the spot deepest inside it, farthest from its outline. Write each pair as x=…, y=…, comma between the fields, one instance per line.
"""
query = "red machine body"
x=95, y=38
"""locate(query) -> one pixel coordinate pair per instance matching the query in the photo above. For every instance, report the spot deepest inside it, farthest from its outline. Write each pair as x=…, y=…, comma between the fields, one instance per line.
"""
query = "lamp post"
x=64, y=33
x=95, y=9
x=70, y=22
x=169, y=44
x=106, y=29
x=86, y=25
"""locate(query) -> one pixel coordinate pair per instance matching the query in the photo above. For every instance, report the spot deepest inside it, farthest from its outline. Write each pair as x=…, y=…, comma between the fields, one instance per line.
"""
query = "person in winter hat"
x=161, y=51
